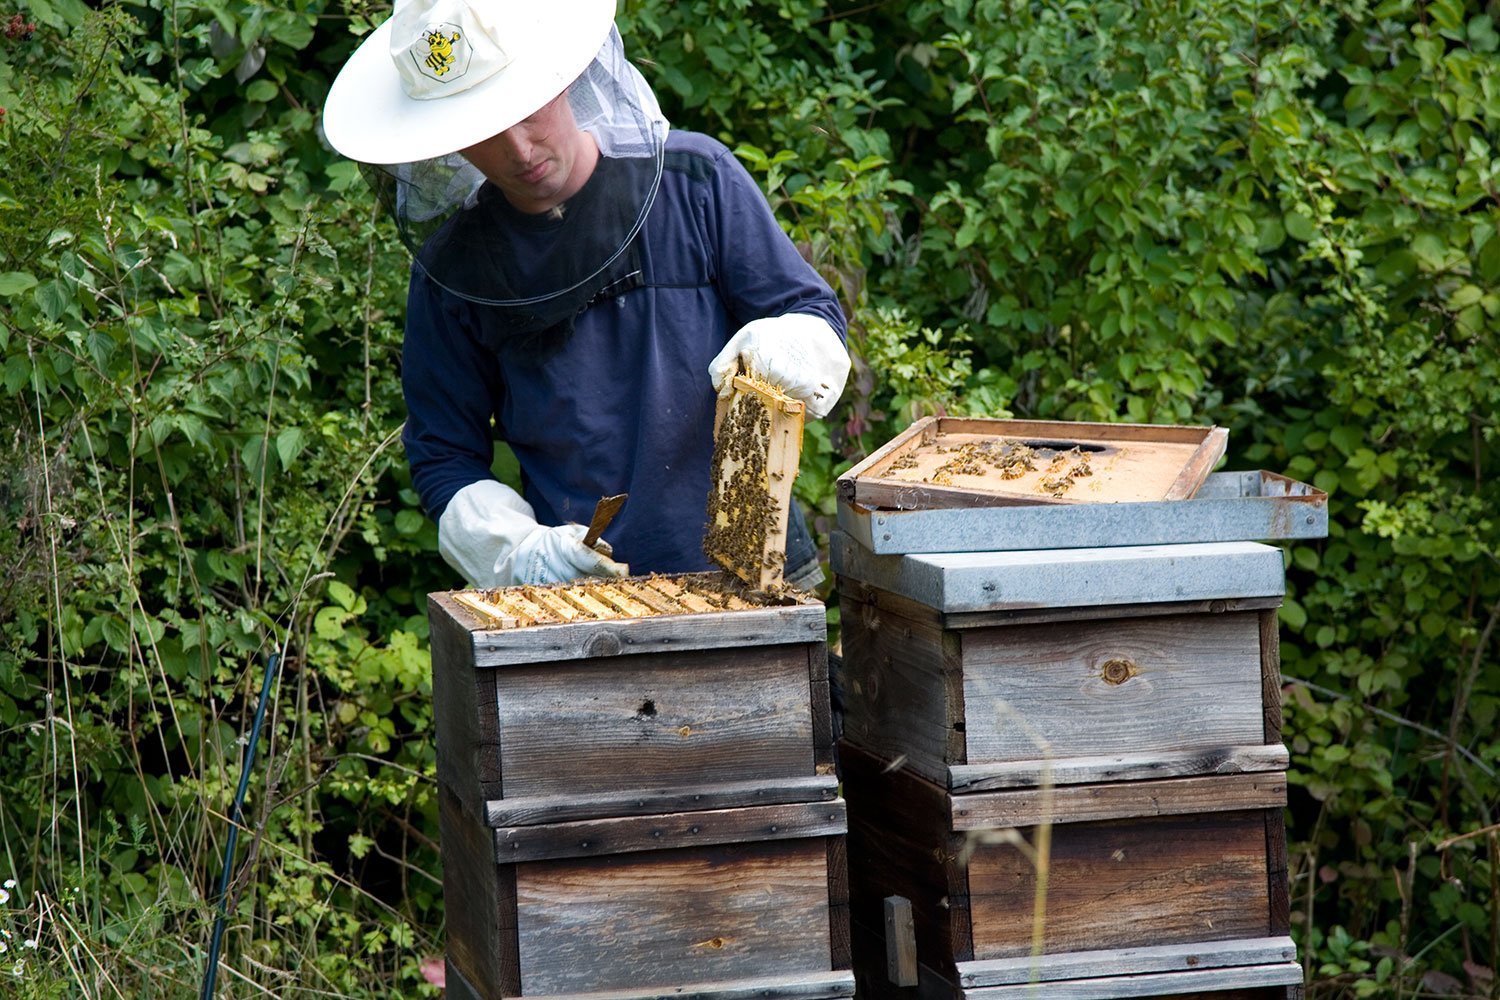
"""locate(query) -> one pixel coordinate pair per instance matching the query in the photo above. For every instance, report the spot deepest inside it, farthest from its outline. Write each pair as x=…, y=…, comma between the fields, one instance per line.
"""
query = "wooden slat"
x=1132, y=961
x=667, y=918
x=1270, y=667
x=903, y=688
x=625, y=636
x=457, y=985
x=586, y=602
x=1095, y=612
x=536, y=613
x=1149, y=985
x=822, y=723
x=823, y=986
x=1092, y=803
x=497, y=615
x=534, y=810
x=900, y=942
x=652, y=598
x=628, y=834
x=479, y=899
x=679, y=593
x=617, y=598
x=966, y=778
x=898, y=832
x=462, y=704
x=1069, y=430
x=840, y=943
x=734, y=602
x=782, y=460
x=1123, y=884
x=1277, y=875
x=602, y=726
x=1202, y=463
x=1185, y=682
x=553, y=602
x=881, y=458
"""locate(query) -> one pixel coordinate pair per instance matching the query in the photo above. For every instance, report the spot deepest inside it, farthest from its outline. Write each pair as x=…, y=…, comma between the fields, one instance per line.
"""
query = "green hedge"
x=1283, y=218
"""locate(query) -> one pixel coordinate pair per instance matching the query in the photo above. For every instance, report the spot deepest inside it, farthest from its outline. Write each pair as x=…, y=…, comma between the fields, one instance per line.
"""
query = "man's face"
x=540, y=162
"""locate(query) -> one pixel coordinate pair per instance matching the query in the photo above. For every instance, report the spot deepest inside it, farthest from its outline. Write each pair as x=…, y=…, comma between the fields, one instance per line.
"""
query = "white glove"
x=798, y=353
x=490, y=535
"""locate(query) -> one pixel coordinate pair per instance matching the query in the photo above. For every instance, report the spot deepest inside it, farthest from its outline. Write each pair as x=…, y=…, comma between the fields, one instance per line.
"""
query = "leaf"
x=1270, y=234
x=1429, y=250
x=289, y=446
x=1482, y=35
x=53, y=298
x=1397, y=267
x=17, y=372
x=409, y=522
x=116, y=633
x=15, y=282
x=261, y=91
x=148, y=627
x=1298, y=226
x=1465, y=296
x=328, y=623
x=342, y=593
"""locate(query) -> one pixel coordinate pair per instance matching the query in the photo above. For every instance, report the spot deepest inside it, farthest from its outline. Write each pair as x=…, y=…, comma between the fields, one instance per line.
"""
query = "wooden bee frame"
x=757, y=447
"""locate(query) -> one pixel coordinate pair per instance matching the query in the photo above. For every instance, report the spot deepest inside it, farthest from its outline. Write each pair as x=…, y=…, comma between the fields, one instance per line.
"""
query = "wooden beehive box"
x=757, y=447
x=727, y=902
x=1120, y=706
x=943, y=462
x=637, y=791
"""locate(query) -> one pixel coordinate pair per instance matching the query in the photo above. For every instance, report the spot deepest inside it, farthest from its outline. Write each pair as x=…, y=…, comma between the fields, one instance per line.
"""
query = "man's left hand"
x=799, y=353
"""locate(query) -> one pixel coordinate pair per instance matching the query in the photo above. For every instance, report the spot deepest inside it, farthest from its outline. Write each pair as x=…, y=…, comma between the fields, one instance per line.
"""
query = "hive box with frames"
x=637, y=780
x=1063, y=764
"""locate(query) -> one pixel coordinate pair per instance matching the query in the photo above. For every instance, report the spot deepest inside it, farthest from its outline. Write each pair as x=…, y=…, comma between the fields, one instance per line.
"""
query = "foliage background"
x=1281, y=217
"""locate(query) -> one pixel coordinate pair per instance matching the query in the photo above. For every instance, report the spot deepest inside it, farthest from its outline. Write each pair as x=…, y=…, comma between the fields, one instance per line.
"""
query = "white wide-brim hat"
x=441, y=75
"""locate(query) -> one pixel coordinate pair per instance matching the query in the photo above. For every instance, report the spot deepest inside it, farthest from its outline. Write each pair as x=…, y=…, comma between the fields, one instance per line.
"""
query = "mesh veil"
x=539, y=270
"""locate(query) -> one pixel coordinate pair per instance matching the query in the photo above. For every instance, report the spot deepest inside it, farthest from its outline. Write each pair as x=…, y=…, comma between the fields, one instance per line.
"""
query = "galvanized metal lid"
x=1228, y=507
x=1068, y=578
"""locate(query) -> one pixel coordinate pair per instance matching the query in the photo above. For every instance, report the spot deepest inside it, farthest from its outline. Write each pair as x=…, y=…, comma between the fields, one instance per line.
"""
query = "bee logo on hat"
x=447, y=52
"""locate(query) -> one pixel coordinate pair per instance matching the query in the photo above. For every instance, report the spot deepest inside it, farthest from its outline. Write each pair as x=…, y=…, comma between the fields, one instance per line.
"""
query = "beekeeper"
x=583, y=277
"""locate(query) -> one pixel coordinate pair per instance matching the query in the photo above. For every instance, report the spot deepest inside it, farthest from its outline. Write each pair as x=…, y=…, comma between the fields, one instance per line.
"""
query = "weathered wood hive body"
x=1063, y=766
x=638, y=800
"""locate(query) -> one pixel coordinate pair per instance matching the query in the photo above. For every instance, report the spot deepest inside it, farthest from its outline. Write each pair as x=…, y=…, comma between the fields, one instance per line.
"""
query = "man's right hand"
x=490, y=535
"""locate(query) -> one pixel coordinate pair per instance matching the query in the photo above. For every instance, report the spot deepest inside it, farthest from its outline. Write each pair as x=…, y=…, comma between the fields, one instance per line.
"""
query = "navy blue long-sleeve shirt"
x=625, y=406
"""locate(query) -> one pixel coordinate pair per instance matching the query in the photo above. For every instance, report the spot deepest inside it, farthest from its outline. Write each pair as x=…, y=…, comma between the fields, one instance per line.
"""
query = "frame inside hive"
x=757, y=446
x=603, y=600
